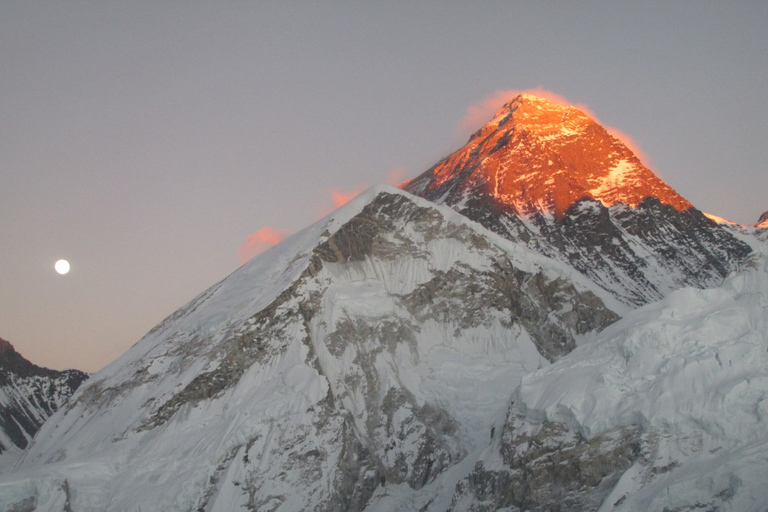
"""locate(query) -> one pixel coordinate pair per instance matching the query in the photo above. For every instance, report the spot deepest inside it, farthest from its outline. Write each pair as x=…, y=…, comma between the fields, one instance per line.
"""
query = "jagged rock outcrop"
x=547, y=467
x=551, y=177
x=29, y=395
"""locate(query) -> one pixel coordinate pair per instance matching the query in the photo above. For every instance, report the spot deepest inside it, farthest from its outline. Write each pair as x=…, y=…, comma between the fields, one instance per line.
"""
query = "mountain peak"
x=5, y=346
x=538, y=156
x=537, y=115
x=537, y=109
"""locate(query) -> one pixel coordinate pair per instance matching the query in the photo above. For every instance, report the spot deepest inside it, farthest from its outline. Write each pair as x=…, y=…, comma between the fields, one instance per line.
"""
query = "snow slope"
x=374, y=351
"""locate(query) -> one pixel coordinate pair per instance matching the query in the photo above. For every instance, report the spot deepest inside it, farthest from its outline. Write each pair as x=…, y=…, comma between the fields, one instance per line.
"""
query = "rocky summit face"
x=549, y=328
x=29, y=395
x=535, y=157
x=551, y=177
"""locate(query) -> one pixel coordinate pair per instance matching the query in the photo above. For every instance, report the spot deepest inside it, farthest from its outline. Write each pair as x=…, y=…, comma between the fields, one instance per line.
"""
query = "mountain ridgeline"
x=536, y=323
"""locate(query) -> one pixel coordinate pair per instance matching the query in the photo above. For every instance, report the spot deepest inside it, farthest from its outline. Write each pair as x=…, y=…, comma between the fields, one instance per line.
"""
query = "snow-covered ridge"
x=663, y=364
x=397, y=355
x=721, y=220
x=256, y=284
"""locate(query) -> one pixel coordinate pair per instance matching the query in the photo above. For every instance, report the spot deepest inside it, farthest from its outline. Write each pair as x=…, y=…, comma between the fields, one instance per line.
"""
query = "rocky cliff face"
x=551, y=177
x=538, y=157
x=29, y=394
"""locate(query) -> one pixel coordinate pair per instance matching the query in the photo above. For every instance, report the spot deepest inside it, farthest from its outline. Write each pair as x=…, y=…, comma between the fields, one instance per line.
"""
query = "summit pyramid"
x=538, y=156
x=553, y=178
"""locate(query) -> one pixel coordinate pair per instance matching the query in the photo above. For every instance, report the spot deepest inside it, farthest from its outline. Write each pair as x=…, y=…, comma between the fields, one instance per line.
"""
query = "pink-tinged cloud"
x=337, y=198
x=396, y=177
x=341, y=197
x=260, y=241
x=479, y=113
x=632, y=145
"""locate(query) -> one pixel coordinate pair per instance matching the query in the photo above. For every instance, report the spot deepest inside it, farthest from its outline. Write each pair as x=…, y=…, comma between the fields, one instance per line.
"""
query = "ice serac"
x=29, y=395
x=553, y=178
x=365, y=359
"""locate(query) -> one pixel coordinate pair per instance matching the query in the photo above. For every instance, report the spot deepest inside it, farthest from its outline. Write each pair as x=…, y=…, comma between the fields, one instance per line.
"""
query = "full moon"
x=62, y=267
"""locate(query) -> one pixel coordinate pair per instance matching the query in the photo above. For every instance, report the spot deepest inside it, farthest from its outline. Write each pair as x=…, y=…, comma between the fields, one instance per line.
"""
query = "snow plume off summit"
x=549, y=327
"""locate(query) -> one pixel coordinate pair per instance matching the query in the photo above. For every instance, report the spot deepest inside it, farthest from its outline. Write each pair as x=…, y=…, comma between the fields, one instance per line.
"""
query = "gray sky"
x=145, y=141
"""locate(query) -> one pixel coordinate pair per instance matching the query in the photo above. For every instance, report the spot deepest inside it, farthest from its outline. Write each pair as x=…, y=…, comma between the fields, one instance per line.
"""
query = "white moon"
x=62, y=267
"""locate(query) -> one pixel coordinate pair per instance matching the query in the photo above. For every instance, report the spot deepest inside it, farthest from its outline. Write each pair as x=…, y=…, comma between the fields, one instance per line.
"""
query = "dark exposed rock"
x=396, y=439
x=547, y=467
x=639, y=255
x=33, y=394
